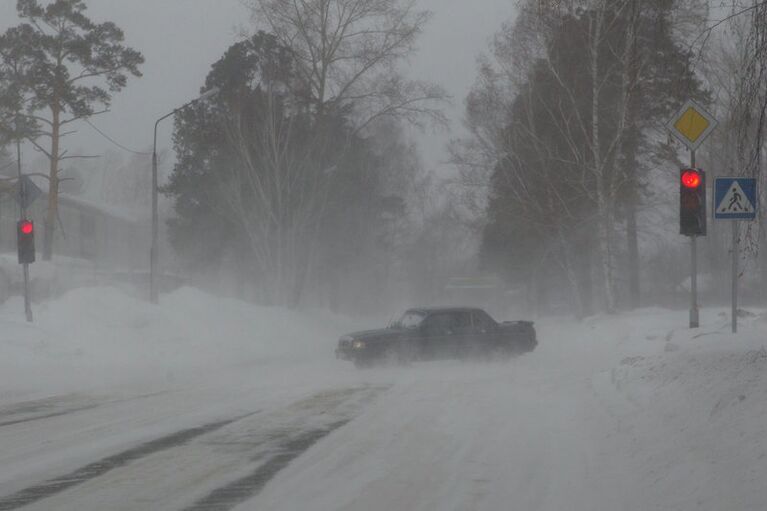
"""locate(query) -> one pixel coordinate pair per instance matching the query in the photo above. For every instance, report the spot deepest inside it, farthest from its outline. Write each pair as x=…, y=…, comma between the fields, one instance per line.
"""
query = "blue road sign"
x=735, y=198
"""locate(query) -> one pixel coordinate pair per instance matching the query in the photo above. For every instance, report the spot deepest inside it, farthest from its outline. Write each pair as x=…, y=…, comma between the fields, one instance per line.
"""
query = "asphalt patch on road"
x=54, y=486
x=48, y=415
x=56, y=406
x=237, y=492
x=285, y=440
x=253, y=450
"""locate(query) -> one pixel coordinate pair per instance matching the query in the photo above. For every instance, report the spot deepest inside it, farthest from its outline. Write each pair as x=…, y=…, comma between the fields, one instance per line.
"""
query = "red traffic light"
x=692, y=202
x=25, y=241
x=691, y=178
x=26, y=227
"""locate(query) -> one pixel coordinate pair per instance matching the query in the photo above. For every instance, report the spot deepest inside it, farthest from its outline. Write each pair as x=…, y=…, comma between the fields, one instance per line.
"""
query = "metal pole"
x=153, y=253
x=27, y=300
x=694, y=316
x=735, y=250
x=23, y=215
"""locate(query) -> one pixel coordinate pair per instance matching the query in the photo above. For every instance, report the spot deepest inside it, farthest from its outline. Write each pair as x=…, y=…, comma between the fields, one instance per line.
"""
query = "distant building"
x=96, y=233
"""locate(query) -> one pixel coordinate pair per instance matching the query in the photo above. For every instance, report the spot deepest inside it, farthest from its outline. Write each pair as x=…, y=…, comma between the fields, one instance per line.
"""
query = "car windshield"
x=411, y=319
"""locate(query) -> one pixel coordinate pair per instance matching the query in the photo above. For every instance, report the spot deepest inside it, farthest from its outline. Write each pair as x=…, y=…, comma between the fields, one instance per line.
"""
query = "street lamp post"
x=154, y=251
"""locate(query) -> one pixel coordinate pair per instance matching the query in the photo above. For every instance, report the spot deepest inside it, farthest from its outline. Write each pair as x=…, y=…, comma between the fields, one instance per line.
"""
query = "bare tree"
x=347, y=52
x=581, y=74
x=345, y=56
x=734, y=52
x=274, y=190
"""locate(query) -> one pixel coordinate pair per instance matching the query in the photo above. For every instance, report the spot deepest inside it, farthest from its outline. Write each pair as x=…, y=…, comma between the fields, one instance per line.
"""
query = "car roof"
x=432, y=310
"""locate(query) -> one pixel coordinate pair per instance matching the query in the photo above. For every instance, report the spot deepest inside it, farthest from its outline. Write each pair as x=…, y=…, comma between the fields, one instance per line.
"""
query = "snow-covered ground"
x=625, y=412
x=100, y=339
x=631, y=412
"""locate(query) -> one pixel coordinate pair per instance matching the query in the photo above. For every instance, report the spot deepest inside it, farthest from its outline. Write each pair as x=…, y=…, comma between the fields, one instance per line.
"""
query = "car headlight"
x=358, y=345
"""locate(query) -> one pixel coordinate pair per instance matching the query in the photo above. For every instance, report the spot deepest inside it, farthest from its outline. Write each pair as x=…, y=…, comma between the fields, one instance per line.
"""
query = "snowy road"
x=209, y=466
x=445, y=435
x=453, y=436
x=586, y=422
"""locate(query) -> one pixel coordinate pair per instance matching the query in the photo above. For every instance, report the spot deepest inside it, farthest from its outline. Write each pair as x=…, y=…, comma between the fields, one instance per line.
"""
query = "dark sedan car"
x=437, y=333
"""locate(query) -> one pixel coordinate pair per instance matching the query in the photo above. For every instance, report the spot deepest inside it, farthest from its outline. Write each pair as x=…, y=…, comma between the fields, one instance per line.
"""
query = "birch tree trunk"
x=572, y=277
x=603, y=186
x=631, y=77
x=53, y=185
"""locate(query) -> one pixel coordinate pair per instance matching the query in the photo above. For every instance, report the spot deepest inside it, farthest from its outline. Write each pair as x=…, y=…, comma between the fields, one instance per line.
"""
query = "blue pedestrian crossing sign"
x=735, y=198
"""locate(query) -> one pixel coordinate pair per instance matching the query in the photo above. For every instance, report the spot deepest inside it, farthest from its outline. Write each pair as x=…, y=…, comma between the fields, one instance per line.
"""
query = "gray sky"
x=180, y=39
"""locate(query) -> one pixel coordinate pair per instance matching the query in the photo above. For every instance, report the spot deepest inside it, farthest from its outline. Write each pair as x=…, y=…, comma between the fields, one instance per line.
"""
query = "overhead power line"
x=115, y=142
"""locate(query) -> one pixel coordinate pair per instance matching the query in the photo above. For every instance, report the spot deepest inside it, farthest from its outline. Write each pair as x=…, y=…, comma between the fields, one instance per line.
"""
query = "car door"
x=438, y=336
x=412, y=338
x=463, y=339
x=484, y=332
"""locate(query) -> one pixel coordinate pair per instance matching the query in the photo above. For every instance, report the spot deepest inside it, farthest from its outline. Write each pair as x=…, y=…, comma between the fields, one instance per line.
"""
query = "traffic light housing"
x=692, y=202
x=25, y=237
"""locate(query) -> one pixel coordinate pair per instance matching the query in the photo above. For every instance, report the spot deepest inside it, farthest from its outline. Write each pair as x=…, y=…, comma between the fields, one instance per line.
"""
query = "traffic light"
x=25, y=237
x=692, y=202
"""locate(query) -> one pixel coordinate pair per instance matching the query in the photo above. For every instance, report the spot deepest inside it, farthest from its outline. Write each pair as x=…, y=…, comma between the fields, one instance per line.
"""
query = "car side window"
x=439, y=324
x=411, y=320
x=462, y=322
x=481, y=322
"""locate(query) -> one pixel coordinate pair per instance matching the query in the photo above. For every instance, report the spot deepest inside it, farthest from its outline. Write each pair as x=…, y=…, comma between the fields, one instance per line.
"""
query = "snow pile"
x=693, y=409
x=47, y=278
x=100, y=338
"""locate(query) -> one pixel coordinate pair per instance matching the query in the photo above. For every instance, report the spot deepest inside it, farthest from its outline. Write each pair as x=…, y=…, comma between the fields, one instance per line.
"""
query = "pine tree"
x=65, y=68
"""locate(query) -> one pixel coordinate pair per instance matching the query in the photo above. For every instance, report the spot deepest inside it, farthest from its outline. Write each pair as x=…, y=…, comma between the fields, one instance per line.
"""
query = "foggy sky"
x=180, y=39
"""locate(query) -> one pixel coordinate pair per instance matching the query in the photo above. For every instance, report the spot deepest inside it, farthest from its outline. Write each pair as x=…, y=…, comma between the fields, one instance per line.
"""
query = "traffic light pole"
x=694, y=317
x=23, y=214
x=27, y=301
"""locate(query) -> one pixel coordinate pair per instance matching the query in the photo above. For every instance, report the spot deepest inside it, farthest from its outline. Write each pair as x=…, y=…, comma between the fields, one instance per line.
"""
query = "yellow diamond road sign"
x=691, y=125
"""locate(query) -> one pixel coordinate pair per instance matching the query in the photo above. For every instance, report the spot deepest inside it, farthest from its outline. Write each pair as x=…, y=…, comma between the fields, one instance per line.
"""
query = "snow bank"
x=692, y=405
x=101, y=338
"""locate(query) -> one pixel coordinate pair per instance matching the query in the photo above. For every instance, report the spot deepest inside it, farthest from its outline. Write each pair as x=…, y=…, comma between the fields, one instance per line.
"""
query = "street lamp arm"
x=153, y=254
x=209, y=93
x=154, y=145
